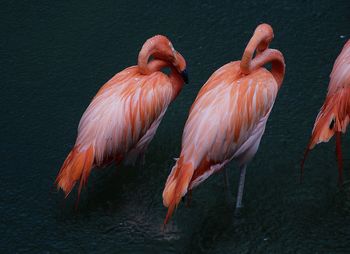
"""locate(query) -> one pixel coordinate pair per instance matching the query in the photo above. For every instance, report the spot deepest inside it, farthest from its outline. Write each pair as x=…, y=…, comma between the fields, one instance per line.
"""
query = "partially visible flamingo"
x=227, y=119
x=124, y=115
x=334, y=114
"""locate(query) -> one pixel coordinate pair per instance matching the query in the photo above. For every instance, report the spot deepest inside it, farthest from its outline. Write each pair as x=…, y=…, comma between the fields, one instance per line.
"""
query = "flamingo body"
x=128, y=113
x=226, y=122
x=124, y=115
x=227, y=119
x=333, y=117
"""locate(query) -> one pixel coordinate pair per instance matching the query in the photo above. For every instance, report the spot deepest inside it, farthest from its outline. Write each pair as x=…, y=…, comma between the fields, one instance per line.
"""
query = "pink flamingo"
x=334, y=114
x=124, y=115
x=227, y=119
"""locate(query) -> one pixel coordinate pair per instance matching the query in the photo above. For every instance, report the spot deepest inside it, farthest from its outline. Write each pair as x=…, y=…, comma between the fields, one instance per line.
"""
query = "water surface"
x=54, y=57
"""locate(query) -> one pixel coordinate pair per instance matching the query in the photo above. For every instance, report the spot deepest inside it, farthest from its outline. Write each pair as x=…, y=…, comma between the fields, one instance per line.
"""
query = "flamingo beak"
x=184, y=76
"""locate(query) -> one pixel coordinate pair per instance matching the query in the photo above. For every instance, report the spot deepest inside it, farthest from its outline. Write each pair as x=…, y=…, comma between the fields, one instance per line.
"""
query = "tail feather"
x=176, y=186
x=76, y=167
x=333, y=118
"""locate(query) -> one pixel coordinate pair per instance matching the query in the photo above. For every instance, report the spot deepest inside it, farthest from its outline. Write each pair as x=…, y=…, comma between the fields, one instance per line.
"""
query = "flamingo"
x=334, y=114
x=227, y=119
x=124, y=115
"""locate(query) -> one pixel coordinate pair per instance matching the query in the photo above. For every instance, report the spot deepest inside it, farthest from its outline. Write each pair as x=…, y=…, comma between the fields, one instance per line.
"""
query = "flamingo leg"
x=141, y=161
x=339, y=158
x=189, y=198
x=240, y=188
x=226, y=179
x=227, y=186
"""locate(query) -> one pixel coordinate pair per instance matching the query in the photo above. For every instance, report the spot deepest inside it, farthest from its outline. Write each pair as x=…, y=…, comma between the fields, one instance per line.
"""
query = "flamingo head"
x=264, y=31
x=163, y=49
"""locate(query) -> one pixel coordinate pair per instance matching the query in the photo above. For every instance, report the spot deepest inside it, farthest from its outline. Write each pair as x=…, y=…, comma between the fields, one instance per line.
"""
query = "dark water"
x=54, y=57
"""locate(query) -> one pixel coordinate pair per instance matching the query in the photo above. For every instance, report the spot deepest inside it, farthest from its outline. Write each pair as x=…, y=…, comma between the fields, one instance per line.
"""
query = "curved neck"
x=175, y=78
x=176, y=81
x=164, y=55
x=159, y=47
x=156, y=65
x=147, y=50
x=260, y=41
x=276, y=59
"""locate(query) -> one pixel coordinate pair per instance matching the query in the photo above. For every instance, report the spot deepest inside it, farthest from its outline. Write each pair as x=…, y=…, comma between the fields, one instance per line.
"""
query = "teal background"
x=54, y=57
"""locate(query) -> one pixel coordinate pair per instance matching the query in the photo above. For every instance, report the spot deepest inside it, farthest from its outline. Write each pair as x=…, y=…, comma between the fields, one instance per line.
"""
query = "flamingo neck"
x=175, y=78
x=276, y=59
x=159, y=47
x=147, y=50
x=259, y=43
x=176, y=81
x=156, y=65
x=163, y=52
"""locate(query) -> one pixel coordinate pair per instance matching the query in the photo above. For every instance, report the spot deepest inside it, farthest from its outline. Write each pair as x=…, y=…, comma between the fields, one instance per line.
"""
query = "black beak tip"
x=184, y=75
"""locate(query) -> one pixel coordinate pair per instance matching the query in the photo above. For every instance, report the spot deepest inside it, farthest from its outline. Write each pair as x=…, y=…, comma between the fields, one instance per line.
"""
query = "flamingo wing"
x=340, y=75
x=118, y=124
x=334, y=115
x=226, y=121
x=121, y=114
x=335, y=112
x=225, y=116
